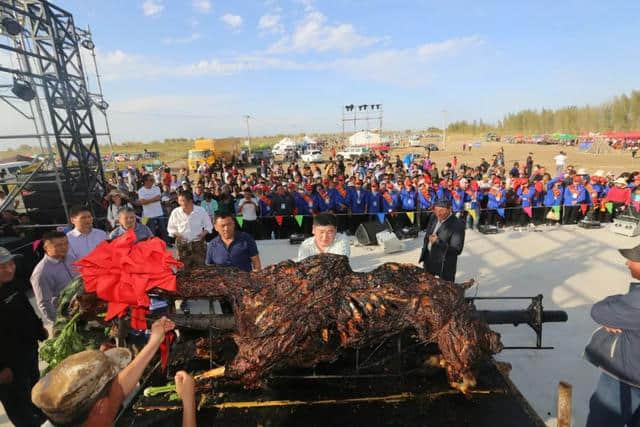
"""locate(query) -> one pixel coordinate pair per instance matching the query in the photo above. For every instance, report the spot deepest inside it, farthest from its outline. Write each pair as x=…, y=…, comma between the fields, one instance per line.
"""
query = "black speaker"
x=366, y=232
x=401, y=225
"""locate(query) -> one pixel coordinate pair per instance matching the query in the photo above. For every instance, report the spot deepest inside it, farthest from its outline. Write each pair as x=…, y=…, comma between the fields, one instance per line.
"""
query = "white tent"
x=364, y=138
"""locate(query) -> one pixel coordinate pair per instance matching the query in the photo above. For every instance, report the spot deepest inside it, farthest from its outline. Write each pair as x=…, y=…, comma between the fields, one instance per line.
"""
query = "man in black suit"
x=443, y=242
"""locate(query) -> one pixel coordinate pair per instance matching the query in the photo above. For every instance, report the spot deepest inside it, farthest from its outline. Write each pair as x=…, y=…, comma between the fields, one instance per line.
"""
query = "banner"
x=279, y=219
x=556, y=209
x=500, y=212
x=240, y=220
x=609, y=207
x=583, y=208
x=299, y=219
x=381, y=217
x=528, y=210
x=411, y=216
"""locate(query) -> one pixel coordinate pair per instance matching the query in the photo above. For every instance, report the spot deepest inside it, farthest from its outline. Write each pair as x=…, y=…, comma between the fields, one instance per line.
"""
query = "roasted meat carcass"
x=301, y=314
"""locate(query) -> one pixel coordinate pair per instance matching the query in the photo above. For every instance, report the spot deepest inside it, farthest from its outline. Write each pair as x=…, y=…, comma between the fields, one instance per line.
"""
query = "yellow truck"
x=208, y=150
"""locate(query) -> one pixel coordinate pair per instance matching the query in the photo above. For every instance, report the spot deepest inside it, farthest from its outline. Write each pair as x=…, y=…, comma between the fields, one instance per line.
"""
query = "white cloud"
x=202, y=6
x=152, y=7
x=181, y=40
x=314, y=34
x=270, y=24
x=234, y=21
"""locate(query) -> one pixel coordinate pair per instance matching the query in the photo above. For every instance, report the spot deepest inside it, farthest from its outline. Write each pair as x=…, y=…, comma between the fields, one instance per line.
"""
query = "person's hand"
x=159, y=328
x=612, y=330
x=6, y=376
x=185, y=386
x=433, y=239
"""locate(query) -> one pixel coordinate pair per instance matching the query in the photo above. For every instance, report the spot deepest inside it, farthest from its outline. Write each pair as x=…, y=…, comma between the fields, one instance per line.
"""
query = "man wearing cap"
x=374, y=201
x=339, y=205
x=426, y=199
x=443, y=242
x=20, y=331
x=88, y=388
x=619, y=195
x=616, y=399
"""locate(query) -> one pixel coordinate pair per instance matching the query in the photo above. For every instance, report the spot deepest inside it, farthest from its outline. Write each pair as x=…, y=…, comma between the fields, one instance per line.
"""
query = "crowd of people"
x=213, y=215
x=279, y=200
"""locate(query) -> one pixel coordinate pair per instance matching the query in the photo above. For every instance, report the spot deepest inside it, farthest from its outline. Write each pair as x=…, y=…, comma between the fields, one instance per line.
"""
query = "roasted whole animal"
x=301, y=314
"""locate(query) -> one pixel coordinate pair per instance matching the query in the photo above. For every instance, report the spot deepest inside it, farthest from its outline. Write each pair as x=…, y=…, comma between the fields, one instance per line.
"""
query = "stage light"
x=88, y=44
x=23, y=90
x=364, y=107
x=378, y=106
x=372, y=106
x=103, y=105
x=11, y=26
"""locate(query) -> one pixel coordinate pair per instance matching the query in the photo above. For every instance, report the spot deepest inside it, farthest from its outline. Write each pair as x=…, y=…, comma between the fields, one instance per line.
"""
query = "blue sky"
x=195, y=67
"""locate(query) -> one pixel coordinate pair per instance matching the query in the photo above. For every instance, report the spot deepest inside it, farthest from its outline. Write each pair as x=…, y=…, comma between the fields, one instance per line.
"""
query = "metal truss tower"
x=48, y=49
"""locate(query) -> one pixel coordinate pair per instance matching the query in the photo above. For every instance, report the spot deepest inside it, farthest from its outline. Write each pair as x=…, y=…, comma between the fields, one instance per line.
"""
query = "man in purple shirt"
x=83, y=238
x=52, y=274
x=232, y=248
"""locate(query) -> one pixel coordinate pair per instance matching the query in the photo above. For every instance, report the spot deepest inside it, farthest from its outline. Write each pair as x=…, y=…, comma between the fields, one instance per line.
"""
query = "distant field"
x=174, y=152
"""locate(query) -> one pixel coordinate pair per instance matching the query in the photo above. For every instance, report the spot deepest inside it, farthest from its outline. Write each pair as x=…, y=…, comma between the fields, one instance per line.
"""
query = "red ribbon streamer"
x=165, y=346
x=122, y=271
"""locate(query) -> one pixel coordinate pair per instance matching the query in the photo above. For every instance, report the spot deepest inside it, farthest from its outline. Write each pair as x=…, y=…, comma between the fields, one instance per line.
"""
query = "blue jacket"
x=579, y=198
x=457, y=204
x=302, y=207
x=425, y=203
x=551, y=200
x=357, y=205
x=443, y=193
x=337, y=201
x=393, y=206
x=527, y=200
x=623, y=312
x=265, y=208
x=318, y=203
x=493, y=202
x=408, y=199
x=374, y=202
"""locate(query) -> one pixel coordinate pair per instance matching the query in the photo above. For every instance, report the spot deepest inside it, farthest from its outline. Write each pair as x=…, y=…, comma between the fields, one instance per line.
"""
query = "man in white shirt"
x=560, y=159
x=83, y=238
x=189, y=224
x=325, y=239
x=149, y=196
x=248, y=208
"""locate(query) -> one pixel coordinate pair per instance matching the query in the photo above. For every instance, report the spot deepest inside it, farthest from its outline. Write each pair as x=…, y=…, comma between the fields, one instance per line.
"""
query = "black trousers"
x=283, y=230
x=266, y=225
x=493, y=218
x=251, y=227
x=570, y=214
x=16, y=397
x=342, y=218
x=423, y=219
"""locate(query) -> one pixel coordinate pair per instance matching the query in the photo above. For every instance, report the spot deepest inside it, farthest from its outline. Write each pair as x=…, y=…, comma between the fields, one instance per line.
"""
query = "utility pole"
x=247, y=117
x=444, y=129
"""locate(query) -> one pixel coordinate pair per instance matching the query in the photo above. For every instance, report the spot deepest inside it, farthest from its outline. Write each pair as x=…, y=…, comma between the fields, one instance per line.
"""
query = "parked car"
x=353, y=152
x=312, y=156
x=258, y=155
x=431, y=147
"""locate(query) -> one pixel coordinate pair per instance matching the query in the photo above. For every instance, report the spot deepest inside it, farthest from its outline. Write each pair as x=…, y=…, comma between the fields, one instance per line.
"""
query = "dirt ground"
x=616, y=161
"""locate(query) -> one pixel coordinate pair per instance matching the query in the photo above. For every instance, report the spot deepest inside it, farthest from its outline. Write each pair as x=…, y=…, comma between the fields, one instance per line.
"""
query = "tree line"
x=622, y=113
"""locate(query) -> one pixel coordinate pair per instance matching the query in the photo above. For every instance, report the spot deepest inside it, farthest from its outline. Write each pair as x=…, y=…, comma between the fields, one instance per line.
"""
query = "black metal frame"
x=54, y=39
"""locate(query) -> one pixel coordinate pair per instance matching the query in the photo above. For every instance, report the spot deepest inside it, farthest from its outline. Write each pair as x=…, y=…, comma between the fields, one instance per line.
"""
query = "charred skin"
x=303, y=313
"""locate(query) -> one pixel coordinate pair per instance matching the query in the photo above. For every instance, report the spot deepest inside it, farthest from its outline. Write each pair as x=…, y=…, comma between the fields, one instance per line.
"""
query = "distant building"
x=365, y=138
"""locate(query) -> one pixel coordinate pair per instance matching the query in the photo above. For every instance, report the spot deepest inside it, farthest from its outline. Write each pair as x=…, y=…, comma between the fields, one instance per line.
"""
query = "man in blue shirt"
x=232, y=248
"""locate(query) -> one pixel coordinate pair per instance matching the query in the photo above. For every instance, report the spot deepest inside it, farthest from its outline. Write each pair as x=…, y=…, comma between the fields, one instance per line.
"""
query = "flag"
x=240, y=220
x=528, y=210
x=500, y=212
x=381, y=217
x=411, y=216
x=473, y=214
x=556, y=209
x=583, y=208
x=279, y=219
x=144, y=220
x=35, y=244
x=609, y=207
x=637, y=206
x=299, y=219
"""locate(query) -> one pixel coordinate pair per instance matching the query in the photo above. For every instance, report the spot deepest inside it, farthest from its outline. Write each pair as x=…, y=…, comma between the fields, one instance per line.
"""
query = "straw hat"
x=620, y=181
x=73, y=386
x=599, y=173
